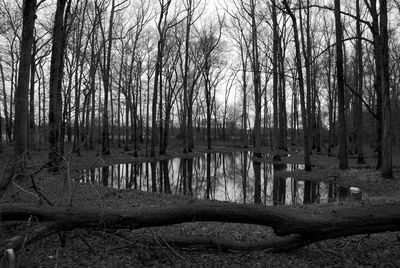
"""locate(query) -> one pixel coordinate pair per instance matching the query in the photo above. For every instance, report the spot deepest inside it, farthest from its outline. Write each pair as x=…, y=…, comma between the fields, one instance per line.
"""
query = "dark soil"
x=98, y=248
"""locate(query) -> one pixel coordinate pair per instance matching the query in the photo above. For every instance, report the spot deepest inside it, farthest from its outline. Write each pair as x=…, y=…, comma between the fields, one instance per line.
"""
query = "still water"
x=221, y=176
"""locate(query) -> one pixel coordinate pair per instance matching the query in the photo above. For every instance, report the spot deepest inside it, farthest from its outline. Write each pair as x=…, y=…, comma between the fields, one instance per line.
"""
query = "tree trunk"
x=330, y=102
x=340, y=84
x=160, y=108
x=308, y=63
x=308, y=228
x=107, y=86
x=92, y=115
x=43, y=101
x=162, y=30
x=378, y=78
x=147, y=111
x=78, y=83
x=112, y=131
x=256, y=82
x=68, y=115
x=31, y=131
x=21, y=92
x=190, y=121
x=207, y=92
x=166, y=129
x=127, y=116
x=6, y=119
x=66, y=112
x=275, y=81
x=282, y=100
x=185, y=76
x=387, y=142
x=135, y=110
x=244, y=92
x=94, y=60
x=154, y=102
x=119, y=108
x=56, y=74
x=306, y=44
x=358, y=124
x=86, y=125
x=14, y=77
x=307, y=160
x=1, y=134
x=99, y=134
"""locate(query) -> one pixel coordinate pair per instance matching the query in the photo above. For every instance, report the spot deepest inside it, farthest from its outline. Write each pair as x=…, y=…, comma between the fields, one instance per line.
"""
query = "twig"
x=176, y=253
x=160, y=245
x=69, y=204
x=8, y=178
x=25, y=191
x=122, y=247
x=40, y=169
x=86, y=242
x=56, y=258
x=38, y=192
x=28, y=226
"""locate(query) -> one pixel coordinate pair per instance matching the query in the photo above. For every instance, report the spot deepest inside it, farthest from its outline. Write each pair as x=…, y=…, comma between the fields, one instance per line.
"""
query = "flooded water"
x=221, y=176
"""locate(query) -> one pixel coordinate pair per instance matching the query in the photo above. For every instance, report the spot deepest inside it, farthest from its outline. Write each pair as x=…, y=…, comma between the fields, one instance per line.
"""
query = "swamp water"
x=221, y=176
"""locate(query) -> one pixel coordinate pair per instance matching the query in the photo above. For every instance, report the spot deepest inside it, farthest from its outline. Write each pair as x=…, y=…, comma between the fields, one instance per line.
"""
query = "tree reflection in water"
x=225, y=176
x=257, y=182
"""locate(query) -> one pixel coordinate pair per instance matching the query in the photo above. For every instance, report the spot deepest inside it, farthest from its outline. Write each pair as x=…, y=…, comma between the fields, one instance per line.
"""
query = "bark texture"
x=340, y=84
x=56, y=73
x=21, y=92
x=299, y=229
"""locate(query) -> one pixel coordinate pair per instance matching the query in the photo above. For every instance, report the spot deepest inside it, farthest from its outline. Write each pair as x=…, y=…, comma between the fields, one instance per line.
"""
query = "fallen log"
x=308, y=227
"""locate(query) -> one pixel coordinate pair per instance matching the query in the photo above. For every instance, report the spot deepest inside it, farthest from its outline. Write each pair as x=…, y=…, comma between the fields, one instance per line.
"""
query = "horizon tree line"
x=147, y=74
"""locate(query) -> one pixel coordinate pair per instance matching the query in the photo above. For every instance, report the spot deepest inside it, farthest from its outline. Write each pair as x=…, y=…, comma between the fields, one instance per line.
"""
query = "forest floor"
x=97, y=248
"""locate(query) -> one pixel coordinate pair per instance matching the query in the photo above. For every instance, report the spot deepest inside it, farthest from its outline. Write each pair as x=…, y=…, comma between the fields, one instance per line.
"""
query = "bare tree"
x=56, y=74
x=21, y=92
x=307, y=50
x=78, y=75
x=282, y=48
x=307, y=160
x=106, y=67
x=240, y=36
x=189, y=21
x=359, y=87
x=172, y=84
x=275, y=81
x=31, y=128
x=143, y=16
x=209, y=41
x=374, y=27
x=194, y=78
x=387, y=170
x=5, y=109
x=162, y=28
x=94, y=62
x=228, y=89
x=340, y=84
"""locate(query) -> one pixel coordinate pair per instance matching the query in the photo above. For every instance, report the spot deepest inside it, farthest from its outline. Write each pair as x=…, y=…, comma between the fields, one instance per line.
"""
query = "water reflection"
x=222, y=176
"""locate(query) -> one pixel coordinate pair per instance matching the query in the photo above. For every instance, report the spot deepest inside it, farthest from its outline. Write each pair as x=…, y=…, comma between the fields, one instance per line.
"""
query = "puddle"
x=221, y=176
